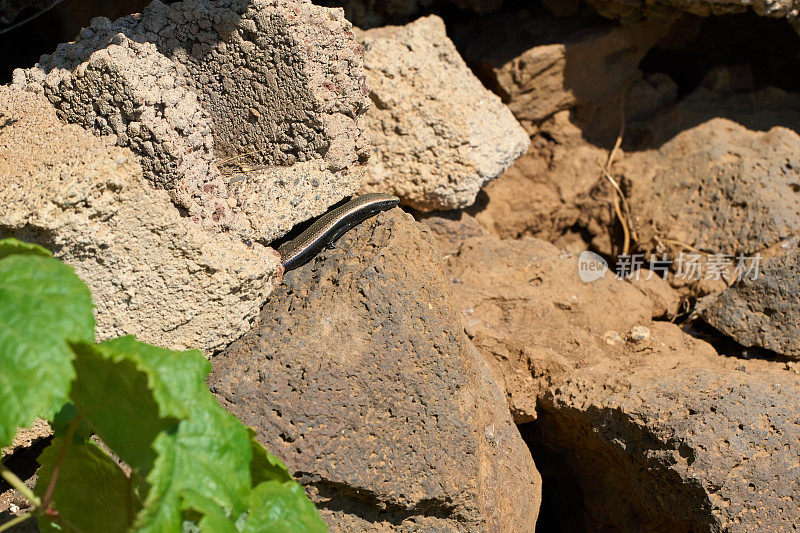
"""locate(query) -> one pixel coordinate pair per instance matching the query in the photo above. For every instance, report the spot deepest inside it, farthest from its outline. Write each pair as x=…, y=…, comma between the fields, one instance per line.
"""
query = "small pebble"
x=639, y=334
x=611, y=338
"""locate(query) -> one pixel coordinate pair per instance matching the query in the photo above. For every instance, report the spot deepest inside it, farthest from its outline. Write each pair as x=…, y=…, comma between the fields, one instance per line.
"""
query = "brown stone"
x=359, y=378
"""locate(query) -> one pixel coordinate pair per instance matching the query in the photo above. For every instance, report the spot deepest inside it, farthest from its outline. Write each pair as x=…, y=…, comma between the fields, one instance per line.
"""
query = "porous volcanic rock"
x=717, y=187
x=450, y=228
x=438, y=135
x=152, y=272
x=199, y=88
x=762, y=310
x=630, y=11
x=359, y=378
x=680, y=443
x=541, y=64
x=650, y=424
x=530, y=315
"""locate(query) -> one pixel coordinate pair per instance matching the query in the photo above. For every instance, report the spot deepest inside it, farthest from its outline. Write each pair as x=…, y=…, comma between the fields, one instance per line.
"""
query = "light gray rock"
x=764, y=311
x=198, y=88
x=152, y=272
x=438, y=135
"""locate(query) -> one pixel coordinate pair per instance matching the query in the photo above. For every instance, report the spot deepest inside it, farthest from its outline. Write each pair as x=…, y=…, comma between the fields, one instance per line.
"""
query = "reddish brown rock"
x=541, y=64
x=718, y=188
x=359, y=378
x=532, y=317
x=680, y=442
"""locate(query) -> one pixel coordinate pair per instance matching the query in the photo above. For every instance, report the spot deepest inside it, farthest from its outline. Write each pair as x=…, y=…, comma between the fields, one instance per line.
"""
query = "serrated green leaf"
x=113, y=395
x=15, y=247
x=279, y=506
x=206, y=514
x=91, y=492
x=43, y=305
x=264, y=466
x=209, y=454
x=278, y=502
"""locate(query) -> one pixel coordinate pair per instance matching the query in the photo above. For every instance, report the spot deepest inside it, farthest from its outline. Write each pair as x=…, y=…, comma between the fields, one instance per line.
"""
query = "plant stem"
x=19, y=486
x=13, y=522
x=48, y=495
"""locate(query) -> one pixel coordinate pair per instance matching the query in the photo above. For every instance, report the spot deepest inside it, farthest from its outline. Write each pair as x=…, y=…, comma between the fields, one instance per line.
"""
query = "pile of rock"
x=165, y=153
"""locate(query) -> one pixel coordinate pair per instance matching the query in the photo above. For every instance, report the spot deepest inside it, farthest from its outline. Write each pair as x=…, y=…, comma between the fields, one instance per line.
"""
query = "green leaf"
x=15, y=247
x=278, y=506
x=91, y=492
x=114, y=397
x=265, y=466
x=278, y=502
x=207, y=514
x=209, y=454
x=43, y=305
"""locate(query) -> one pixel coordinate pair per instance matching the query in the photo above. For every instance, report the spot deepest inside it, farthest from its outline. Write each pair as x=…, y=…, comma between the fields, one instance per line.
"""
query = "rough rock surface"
x=674, y=445
x=450, y=228
x=359, y=378
x=438, y=135
x=530, y=315
x=764, y=311
x=653, y=428
x=665, y=299
x=718, y=187
x=197, y=85
x=542, y=194
x=153, y=273
x=541, y=64
x=628, y=10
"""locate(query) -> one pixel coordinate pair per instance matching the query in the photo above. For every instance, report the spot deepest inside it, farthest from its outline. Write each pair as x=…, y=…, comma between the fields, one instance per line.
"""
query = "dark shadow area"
x=364, y=504
x=769, y=48
x=23, y=461
x=739, y=67
x=602, y=471
x=562, y=507
x=728, y=347
x=39, y=34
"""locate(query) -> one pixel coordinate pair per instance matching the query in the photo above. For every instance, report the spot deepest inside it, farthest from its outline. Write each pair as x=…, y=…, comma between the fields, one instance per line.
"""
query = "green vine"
x=189, y=464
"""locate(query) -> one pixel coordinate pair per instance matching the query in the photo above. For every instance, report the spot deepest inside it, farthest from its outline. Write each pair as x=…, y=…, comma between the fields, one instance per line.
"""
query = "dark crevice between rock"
x=23, y=463
x=366, y=505
x=726, y=346
x=610, y=476
x=766, y=50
